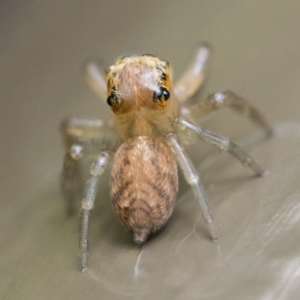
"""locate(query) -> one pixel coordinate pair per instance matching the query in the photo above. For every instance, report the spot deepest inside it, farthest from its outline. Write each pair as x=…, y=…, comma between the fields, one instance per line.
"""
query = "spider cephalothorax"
x=139, y=92
x=138, y=82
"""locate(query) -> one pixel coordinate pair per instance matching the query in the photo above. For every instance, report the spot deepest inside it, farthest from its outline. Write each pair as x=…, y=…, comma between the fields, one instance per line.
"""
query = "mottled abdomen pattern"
x=144, y=184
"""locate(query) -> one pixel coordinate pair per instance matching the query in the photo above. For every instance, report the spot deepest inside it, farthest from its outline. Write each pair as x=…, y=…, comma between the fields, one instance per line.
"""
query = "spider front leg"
x=192, y=178
x=229, y=99
x=194, y=76
x=95, y=78
x=222, y=143
x=87, y=204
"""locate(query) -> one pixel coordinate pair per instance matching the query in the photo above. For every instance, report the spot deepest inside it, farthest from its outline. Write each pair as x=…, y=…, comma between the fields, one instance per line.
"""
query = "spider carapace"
x=140, y=96
x=148, y=112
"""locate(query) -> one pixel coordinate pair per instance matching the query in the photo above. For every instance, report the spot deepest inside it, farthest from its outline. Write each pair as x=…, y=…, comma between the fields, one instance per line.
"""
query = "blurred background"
x=43, y=45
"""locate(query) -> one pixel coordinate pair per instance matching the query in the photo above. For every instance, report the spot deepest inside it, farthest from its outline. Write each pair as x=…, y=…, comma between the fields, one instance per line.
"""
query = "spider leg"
x=222, y=143
x=229, y=99
x=87, y=204
x=194, y=76
x=70, y=177
x=192, y=178
x=84, y=130
x=95, y=78
x=82, y=137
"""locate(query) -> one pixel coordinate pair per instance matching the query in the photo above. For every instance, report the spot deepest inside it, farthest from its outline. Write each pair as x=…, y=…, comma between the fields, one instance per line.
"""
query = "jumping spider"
x=148, y=113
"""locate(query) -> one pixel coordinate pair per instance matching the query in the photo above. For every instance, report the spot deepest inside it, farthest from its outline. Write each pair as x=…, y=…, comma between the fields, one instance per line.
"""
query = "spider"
x=148, y=114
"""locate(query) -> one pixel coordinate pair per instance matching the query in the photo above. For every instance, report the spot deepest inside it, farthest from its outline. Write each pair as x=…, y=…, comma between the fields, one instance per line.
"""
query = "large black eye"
x=111, y=99
x=162, y=94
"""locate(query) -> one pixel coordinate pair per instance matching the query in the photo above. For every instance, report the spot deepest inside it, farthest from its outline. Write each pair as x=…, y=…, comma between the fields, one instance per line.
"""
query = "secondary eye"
x=163, y=76
x=162, y=94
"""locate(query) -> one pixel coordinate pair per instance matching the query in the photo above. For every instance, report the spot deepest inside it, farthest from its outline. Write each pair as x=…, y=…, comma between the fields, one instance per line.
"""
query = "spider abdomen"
x=144, y=184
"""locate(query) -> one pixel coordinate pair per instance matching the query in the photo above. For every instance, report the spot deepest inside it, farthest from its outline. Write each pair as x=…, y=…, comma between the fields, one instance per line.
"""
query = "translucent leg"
x=232, y=100
x=194, y=76
x=70, y=176
x=219, y=142
x=87, y=204
x=192, y=178
x=82, y=137
x=84, y=130
x=96, y=78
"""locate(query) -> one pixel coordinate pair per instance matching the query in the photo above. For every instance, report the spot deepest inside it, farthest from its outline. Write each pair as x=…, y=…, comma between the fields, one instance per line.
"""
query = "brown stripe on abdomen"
x=144, y=195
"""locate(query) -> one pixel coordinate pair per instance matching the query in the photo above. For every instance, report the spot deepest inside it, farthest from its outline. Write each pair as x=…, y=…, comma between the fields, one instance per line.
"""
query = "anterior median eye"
x=162, y=94
x=109, y=98
x=112, y=99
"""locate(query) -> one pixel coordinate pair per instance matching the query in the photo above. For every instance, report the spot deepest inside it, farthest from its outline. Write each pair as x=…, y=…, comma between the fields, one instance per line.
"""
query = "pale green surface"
x=257, y=54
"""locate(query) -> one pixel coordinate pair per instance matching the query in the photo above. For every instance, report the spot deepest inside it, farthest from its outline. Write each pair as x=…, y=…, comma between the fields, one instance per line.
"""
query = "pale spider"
x=148, y=113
